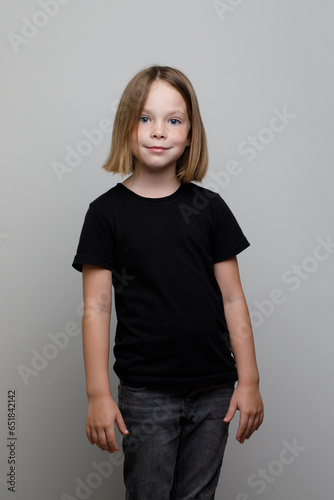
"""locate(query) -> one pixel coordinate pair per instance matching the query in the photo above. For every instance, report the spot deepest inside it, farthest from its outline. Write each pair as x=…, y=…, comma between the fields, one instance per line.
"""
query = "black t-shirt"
x=171, y=329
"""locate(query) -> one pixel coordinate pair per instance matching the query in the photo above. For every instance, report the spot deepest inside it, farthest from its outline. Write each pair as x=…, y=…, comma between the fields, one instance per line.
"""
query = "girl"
x=183, y=336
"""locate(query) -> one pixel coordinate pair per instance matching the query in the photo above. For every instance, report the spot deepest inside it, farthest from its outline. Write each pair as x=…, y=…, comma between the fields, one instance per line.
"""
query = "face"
x=163, y=128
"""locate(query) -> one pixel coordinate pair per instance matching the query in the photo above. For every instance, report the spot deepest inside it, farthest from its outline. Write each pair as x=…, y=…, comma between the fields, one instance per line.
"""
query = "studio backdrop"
x=263, y=73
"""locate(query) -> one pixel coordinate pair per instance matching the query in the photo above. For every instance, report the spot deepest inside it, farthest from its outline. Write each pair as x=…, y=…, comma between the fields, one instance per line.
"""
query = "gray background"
x=248, y=61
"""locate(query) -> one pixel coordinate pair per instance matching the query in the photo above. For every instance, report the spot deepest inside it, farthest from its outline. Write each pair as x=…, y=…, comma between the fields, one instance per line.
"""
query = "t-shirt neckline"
x=153, y=201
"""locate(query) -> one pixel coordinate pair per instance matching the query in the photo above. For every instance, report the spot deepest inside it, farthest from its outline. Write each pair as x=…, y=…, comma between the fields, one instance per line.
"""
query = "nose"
x=158, y=132
x=158, y=135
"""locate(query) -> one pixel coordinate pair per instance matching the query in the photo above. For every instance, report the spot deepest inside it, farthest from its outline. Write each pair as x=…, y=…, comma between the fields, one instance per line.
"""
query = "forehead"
x=163, y=94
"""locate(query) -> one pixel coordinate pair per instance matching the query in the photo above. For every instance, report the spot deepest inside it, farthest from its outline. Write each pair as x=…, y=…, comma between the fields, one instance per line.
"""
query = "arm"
x=247, y=396
x=102, y=410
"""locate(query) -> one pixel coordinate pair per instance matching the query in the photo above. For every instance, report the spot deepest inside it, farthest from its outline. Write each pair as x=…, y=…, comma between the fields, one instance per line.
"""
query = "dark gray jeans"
x=176, y=441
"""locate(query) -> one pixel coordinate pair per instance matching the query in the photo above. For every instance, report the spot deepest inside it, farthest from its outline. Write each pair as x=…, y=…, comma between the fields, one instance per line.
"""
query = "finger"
x=96, y=439
x=89, y=435
x=111, y=440
x=257, y=422
x=230, y=412
x=250, y=427
x=248, y=424
x=113, y=447
x=103, y=441
x=254, y=423
x=121, y=424
x=260, y=420
x=243, y=424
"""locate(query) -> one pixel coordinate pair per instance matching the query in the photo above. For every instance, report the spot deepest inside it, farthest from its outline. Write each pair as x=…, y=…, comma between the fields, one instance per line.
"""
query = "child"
x=183, y=334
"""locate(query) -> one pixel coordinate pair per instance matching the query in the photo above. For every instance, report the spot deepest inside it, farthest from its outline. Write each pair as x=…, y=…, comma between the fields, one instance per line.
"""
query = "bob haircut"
x=193, y=163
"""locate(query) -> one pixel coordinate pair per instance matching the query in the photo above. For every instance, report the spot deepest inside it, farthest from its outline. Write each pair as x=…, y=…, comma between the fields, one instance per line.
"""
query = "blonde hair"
x=193, y=163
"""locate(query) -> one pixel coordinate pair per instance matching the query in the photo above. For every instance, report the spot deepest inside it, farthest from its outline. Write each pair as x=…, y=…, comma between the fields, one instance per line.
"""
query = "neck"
x=157, y=184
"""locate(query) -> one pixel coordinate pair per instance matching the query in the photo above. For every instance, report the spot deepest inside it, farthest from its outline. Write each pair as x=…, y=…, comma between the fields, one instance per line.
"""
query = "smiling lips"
x=157, y=149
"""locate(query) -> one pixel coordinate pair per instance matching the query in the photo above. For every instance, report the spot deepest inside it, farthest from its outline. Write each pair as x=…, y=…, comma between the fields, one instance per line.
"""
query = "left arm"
x=246, y=398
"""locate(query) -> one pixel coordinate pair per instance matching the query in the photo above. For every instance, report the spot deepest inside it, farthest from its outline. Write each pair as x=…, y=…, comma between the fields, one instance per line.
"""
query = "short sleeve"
x=229, y=238
x=96, y=241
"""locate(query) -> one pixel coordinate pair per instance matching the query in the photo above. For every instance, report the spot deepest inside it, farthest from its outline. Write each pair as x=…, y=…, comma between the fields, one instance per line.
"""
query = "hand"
x=247, y=399
x=102, y=414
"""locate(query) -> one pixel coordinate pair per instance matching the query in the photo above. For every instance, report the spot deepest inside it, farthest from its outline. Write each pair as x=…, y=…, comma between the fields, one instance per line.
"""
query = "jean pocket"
x=133, y=389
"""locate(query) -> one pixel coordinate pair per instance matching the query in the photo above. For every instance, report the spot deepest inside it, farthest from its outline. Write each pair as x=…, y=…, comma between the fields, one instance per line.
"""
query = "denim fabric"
x=176, y=441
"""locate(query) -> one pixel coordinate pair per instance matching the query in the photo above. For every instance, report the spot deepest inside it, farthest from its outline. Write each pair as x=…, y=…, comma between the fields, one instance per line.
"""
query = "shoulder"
x=204, y=197
x=203, y=202
x=197, y=191
x=107, y=200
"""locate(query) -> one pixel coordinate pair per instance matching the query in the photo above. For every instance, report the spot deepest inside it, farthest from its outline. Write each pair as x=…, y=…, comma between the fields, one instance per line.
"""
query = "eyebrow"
x=175, y=112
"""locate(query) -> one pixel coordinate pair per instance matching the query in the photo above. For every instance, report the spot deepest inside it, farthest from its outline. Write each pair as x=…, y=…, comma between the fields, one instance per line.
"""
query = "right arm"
x=102, y=411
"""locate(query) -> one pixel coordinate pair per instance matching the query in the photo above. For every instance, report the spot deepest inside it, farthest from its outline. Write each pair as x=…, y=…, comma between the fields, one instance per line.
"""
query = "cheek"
x=180, y=135
x=137, y=136
x=134, y=143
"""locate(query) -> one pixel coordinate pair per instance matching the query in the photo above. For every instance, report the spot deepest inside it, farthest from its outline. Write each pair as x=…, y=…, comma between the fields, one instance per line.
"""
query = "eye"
x=174, y=121
x=144, y=119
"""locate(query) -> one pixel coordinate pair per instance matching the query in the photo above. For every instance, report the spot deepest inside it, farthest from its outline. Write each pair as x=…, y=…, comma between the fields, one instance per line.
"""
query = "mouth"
x=157, y=149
